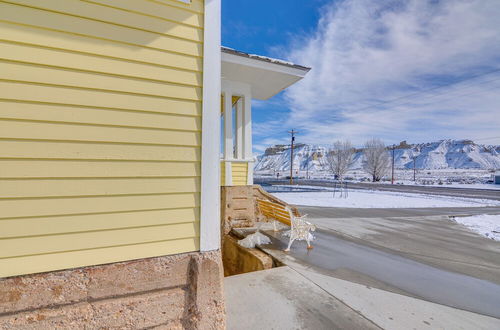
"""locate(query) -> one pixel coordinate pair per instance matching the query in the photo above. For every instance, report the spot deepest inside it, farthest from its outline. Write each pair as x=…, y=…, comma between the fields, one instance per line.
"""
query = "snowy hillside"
x=446, y=154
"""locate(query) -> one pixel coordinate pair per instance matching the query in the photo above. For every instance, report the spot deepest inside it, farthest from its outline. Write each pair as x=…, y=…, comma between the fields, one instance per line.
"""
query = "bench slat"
x=275, y=211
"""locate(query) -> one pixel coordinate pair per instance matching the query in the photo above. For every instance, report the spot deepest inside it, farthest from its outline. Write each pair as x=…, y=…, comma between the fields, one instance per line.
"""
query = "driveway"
x=418, y=234
x=334, y=256
x=344, y=212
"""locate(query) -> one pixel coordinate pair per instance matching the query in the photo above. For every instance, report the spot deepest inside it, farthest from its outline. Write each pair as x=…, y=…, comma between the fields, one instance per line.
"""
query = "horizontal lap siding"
x=240, y=174
x=222, y=173
x=100, y=131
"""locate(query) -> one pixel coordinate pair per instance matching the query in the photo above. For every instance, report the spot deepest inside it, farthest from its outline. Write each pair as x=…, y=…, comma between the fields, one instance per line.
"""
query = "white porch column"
x=239, y=129
x=247, y=127
x=228, y=126
x=228, y=137
x=247, y=135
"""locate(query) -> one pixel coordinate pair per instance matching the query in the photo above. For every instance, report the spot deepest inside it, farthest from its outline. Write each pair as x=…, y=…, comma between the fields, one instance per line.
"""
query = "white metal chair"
x=300, y=230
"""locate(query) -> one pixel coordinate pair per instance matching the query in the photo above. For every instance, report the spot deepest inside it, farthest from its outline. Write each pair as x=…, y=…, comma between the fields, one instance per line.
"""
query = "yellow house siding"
x=128, y=32
x=222, y=173
x=240, y=174
x=38, y=37
x=100, y=131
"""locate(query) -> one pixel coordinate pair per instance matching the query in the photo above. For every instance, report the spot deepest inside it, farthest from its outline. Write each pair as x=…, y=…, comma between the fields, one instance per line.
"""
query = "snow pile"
x=379, y=199
x=485, y=225
x=257, y=238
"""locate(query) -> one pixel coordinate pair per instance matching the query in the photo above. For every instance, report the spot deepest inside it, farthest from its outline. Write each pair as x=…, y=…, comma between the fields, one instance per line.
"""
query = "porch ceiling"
x=267, y=77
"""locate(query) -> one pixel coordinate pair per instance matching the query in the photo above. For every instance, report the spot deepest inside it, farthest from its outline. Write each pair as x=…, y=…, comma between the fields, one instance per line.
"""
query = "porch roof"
x=266, y=76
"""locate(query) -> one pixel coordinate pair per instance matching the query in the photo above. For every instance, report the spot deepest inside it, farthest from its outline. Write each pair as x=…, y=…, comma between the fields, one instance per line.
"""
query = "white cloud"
x=366, y=53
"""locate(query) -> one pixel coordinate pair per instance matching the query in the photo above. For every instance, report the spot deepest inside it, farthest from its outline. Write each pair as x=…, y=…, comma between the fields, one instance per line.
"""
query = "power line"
x=427, y=90
x=461, y=95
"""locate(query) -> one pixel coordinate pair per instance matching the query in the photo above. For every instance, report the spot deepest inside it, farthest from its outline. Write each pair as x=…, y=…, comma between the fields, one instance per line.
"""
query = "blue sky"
x=249, y=28
x=415, y=70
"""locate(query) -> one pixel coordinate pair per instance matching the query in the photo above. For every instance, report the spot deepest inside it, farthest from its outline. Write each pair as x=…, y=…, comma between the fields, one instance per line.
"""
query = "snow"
x=273, y=60
x=256, y=238
x=488, y=186
x=485, y=225
x=379, y=199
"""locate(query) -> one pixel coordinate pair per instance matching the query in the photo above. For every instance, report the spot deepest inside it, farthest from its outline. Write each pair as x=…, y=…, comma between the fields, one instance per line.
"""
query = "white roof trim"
x=266, y=65
x=264, y=76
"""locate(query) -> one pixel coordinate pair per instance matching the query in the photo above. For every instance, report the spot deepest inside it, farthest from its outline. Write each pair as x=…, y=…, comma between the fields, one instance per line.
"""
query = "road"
x=434, y=190
x=343, y=212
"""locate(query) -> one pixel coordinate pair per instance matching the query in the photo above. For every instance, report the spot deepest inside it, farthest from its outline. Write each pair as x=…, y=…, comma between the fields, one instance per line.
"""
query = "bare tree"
x=376, y=159
x=340, y=158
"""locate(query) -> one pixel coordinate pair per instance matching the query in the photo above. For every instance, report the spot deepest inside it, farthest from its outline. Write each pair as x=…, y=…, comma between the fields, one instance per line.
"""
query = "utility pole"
x=292, y=132
x=307, y=169
x=393, y=148
x=414, y=170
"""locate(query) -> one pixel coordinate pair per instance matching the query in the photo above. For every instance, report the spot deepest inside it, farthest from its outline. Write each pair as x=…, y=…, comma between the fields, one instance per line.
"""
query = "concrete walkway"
x=300, y=298
x=339, y=258
x=281, y=298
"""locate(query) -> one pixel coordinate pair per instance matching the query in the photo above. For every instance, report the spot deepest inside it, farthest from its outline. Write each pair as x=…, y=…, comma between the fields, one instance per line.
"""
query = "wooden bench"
x=275, y=211
x=300, y=228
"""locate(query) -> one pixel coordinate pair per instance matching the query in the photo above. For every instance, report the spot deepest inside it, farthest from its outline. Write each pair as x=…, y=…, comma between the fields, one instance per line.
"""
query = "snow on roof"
x=263, y=58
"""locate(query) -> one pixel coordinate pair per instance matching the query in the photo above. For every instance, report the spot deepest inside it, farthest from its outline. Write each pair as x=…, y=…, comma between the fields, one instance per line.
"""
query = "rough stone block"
x=239, y=260
x=138, y=276
x=142, y=311
x=209, y=297
x=175, y=325
x=41, y=290
x=76, y=316
x=172, y=292
x=238, y=208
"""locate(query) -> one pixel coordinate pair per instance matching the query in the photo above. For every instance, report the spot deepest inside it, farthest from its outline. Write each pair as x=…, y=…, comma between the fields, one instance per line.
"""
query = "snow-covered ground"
x=485, y=225
x=380, y=199
x=448, y=178
x=489, y=186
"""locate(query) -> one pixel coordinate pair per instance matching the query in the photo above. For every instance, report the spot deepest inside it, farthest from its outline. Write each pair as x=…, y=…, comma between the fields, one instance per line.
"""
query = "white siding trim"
x=250, y=173
x=229, y=173
x=268, y=66
x=210, y=163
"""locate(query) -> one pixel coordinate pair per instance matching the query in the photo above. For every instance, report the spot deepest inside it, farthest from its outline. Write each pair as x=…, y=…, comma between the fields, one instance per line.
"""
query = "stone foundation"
x=172, y=292
x=238, y=207
x=239, y=260
x=238, y=210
